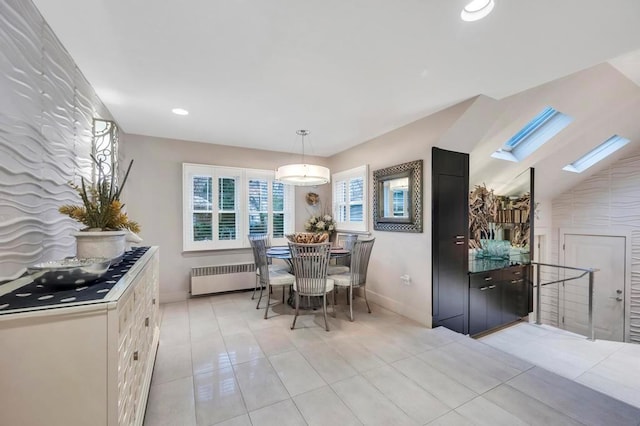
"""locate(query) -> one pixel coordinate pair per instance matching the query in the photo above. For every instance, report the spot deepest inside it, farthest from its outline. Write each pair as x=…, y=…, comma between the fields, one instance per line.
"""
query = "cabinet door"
x=450, y=191
x=477, y=310
x=515, y=294
x=494, y=304
x=479, y=301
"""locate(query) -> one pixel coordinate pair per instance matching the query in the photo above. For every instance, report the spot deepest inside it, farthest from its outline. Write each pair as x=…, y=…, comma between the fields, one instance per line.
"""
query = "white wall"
x=608, y=200
x=46, y=113
x=153, y=197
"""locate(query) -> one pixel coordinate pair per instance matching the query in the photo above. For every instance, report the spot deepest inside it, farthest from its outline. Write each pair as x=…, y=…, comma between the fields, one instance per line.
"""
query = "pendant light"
x=303, y=174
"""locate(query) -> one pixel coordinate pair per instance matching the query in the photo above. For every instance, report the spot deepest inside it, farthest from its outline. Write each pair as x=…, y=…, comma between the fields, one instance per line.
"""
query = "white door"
x=606, y=253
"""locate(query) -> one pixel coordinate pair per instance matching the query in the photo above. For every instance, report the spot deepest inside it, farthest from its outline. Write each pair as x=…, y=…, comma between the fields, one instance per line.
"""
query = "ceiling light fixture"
x=597, y=154
x=476, y=10
x=303, y=174
x=180, y=111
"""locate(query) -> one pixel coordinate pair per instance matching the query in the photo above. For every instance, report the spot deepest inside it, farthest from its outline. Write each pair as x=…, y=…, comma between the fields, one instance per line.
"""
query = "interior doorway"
x=607, y=253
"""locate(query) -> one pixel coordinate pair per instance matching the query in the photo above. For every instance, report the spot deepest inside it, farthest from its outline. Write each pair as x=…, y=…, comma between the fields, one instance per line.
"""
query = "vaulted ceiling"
x=251, y=72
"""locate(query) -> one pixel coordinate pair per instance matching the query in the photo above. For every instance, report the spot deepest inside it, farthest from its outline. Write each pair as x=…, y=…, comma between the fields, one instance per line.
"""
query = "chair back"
x=310, y=263
x=259, y=244
x=360, y=254
x=346, y=241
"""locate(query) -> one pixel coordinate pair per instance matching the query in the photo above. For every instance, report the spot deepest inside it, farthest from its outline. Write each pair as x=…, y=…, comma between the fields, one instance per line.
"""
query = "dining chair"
x=272, y=268
x=357, y=275
x=310, y=263
x=267, y=277
x=346, y=241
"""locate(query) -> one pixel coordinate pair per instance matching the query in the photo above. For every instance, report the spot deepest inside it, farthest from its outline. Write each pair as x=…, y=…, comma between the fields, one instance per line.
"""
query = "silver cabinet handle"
x=492, y=286
x=459, y=243
x=460, y=237
x=483, y=288
x=516, y=281
x=517, y=273
x=488, y=278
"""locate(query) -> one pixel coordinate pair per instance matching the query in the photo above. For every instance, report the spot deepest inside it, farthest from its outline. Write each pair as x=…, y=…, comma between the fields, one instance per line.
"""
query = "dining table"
x=283, y=253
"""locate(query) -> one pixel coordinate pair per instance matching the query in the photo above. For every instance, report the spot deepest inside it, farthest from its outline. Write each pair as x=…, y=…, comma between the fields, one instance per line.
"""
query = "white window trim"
x=357, y=172
x=243, y=174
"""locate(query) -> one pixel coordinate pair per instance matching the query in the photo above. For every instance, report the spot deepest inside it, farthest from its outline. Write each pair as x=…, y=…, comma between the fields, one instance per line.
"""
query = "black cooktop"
x=40, y=295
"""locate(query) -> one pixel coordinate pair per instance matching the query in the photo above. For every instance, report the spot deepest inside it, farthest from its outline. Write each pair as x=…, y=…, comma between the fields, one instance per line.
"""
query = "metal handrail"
x=590, y=271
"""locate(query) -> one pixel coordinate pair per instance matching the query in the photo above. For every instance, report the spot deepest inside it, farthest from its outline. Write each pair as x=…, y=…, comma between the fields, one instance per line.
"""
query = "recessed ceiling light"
x=476, y=9
x=180, y=111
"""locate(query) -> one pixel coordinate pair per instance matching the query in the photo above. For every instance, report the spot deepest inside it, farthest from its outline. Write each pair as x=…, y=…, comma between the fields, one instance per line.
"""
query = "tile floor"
x=220, y=363
x=609, y=367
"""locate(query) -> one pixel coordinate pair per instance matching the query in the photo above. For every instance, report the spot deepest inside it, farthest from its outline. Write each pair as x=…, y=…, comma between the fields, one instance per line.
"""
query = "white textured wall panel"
x=46, y=112
x=609, y=199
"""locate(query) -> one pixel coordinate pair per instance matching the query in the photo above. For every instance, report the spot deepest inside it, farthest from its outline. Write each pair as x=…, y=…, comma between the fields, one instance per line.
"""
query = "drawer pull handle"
x=135, y=356
x=146, y=322
x=488, y=278
x=517, y=272
x=492, y=286
x=153, y=301
x=460, y=237
x=516, y=281
x=483, y=288
x=459, y=243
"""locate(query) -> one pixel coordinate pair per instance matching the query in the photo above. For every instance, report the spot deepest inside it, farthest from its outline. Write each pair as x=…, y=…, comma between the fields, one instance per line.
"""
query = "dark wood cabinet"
x=450, y=194
x=497, y=297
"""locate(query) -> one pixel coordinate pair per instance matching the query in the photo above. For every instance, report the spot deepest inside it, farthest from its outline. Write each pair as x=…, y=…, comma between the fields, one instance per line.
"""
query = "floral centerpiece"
x=101, y=208
x=319, y=224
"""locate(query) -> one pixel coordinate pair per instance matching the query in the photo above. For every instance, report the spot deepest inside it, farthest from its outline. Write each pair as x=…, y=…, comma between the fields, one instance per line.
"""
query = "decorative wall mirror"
x=397, y=198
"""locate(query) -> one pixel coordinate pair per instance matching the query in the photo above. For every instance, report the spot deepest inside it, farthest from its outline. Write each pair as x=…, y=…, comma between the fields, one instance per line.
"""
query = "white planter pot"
x=107, y=244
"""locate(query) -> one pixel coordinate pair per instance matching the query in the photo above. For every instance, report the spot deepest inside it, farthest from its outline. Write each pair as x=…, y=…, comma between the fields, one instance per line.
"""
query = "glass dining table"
x=283, y=253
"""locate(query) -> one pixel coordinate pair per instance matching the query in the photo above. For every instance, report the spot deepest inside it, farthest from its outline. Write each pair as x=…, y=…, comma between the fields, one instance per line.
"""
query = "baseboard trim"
x=417, y=315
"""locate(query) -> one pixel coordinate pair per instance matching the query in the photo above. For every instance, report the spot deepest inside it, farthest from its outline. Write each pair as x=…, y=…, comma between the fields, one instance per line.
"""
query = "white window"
x=350, y=199
x=222, y=205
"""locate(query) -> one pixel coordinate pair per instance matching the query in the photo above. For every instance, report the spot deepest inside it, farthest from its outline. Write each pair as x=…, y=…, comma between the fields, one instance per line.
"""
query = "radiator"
x=220, y=278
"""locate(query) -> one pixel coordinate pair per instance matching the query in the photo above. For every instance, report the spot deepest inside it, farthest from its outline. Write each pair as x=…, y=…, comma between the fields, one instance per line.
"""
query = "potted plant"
x=101, y=212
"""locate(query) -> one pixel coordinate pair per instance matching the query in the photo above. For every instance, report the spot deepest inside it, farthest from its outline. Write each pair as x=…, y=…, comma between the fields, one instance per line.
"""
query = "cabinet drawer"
x=514, y=273
x=484, y=279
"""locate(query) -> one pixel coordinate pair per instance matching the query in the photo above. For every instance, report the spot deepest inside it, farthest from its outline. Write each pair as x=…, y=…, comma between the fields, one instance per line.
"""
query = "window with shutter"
x=223, y=204
x=350, y=199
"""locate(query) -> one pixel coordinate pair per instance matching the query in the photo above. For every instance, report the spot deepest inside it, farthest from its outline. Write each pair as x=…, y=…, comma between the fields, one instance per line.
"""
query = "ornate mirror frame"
x=413, y=223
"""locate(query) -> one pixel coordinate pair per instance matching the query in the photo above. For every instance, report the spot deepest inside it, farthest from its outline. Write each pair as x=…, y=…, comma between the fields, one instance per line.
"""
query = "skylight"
x=533, y=135
x=597, y=154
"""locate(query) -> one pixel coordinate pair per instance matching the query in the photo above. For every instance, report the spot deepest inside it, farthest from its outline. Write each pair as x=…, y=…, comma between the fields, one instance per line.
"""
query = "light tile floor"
x=612, y=368
x=220, y=363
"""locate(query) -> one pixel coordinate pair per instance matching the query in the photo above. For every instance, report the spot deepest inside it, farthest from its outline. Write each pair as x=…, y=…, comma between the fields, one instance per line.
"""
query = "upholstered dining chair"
x=272, y=268
x=357, y=275
x=268, y=278
x=310, y=263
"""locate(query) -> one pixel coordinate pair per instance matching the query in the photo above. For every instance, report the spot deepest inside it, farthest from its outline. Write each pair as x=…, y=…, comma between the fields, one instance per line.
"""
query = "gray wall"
x=155, y=185
x=46, y=112
x=153, y=197
x=396, y=253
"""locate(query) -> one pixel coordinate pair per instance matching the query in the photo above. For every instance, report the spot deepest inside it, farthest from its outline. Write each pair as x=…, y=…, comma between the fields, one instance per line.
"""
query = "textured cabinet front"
x=83, y=365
